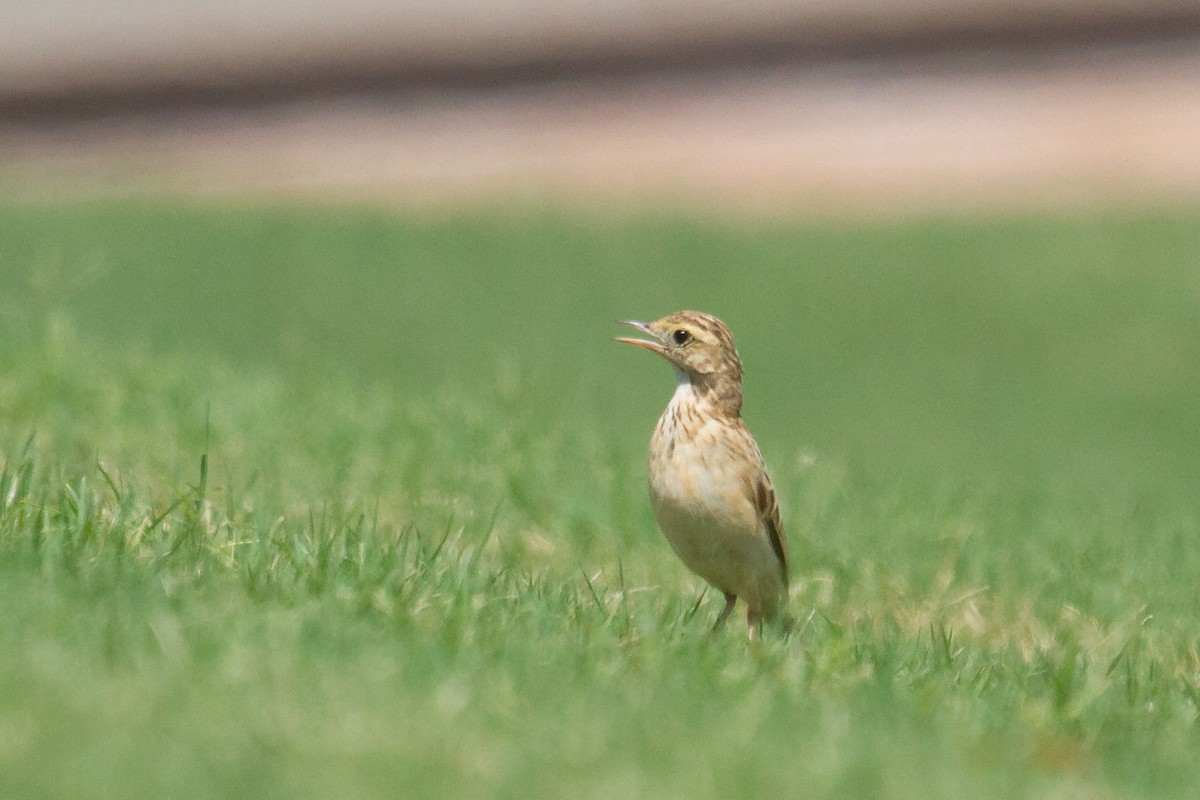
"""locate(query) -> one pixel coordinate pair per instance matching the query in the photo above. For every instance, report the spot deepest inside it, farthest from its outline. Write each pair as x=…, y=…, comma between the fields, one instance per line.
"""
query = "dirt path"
x=975, y=133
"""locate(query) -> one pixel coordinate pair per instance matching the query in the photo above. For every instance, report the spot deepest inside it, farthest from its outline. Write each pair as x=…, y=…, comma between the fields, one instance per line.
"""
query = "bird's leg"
x=754, y=622
x=730, y=599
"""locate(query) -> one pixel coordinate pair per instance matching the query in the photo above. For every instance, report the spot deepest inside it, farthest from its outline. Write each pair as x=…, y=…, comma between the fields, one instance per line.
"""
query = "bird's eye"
x=681, y=337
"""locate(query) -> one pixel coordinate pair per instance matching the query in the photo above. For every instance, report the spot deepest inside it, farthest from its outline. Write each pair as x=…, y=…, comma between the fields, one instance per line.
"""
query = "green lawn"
x=329, y=503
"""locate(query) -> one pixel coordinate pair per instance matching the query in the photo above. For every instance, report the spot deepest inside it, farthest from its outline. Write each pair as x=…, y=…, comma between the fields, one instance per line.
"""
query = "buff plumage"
x=709, y=487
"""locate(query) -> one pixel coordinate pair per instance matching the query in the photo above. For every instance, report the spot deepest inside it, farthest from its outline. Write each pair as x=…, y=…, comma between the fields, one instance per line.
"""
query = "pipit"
x=709, y=487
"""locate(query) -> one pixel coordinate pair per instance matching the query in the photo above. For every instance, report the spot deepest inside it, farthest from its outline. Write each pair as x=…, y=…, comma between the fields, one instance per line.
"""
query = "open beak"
x=652, y=344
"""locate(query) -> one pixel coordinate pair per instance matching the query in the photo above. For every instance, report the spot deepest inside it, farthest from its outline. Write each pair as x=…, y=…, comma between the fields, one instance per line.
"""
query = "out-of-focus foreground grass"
x=330, y=503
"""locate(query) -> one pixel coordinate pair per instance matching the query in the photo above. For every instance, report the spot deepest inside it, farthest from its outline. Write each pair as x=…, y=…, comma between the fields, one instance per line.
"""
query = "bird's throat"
x=714, y=394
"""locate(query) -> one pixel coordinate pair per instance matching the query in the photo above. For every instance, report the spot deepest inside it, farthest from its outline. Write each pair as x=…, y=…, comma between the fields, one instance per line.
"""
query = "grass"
x=300, y=503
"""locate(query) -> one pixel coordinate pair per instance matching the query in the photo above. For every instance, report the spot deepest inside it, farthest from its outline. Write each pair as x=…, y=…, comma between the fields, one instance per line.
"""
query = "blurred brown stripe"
x=581, y=55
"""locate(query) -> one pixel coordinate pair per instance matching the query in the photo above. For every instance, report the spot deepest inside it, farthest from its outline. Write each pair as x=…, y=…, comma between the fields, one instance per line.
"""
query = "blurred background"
x=829, y=107
x=365, y=258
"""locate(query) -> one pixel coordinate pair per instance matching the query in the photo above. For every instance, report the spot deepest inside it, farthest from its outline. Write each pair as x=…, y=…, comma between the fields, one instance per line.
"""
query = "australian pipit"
x=709, y=487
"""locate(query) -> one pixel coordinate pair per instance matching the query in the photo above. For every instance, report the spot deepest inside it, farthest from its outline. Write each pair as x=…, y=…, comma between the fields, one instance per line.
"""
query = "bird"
x=709, y=487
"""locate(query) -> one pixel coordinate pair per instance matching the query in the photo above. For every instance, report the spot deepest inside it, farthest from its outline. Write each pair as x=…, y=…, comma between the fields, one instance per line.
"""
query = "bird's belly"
x=702, y=505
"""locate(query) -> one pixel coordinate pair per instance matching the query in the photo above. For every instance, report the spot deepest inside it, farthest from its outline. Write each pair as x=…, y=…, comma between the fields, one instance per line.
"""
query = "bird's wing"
x=767, y=506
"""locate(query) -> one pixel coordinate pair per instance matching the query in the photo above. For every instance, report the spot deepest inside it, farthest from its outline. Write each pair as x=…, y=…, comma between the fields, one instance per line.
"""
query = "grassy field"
x=310, y=503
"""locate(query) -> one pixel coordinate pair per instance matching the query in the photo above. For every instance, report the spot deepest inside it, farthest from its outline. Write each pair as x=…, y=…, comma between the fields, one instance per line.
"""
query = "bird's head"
x=698, y=345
